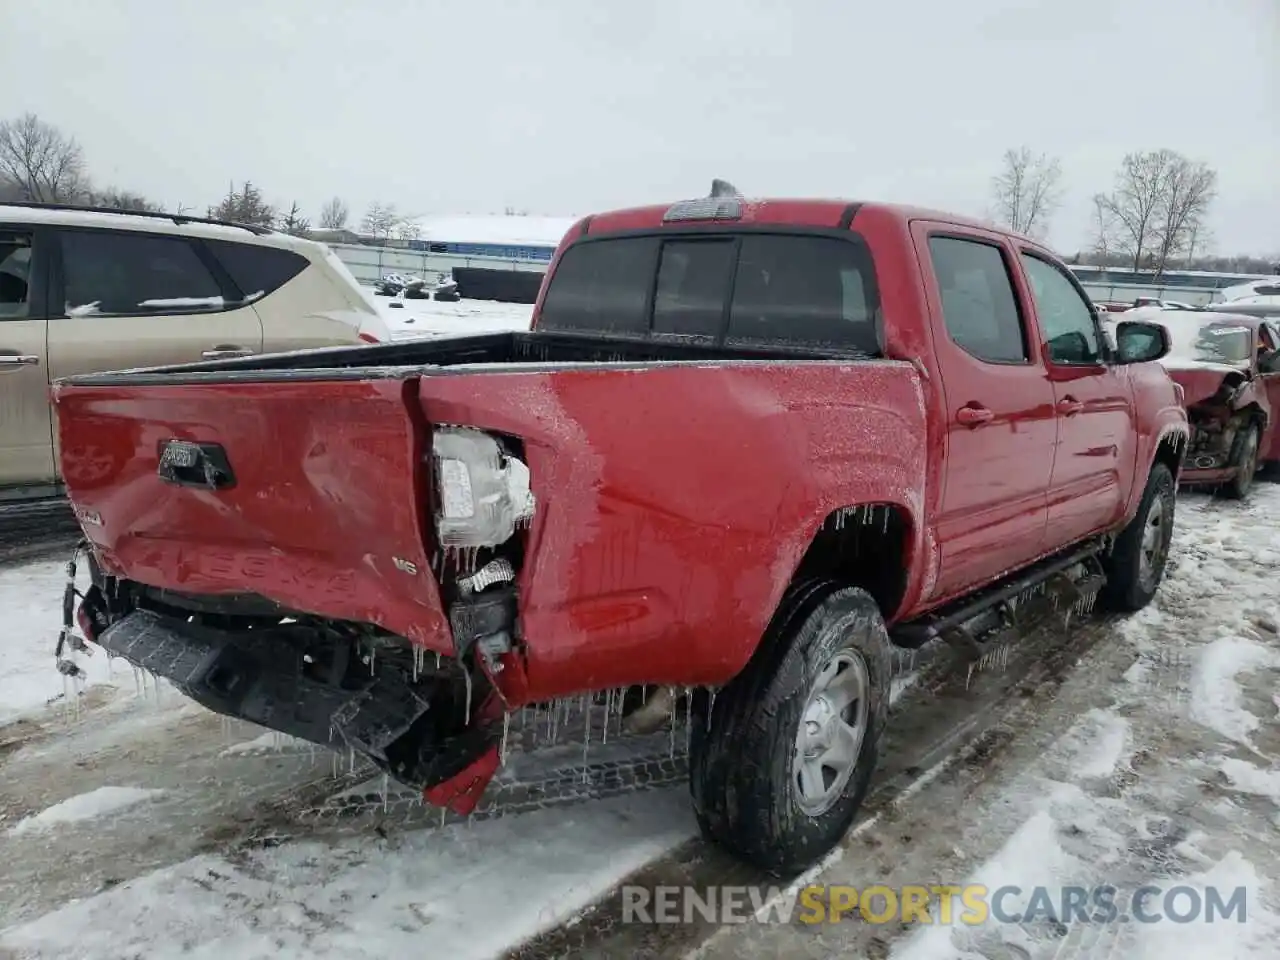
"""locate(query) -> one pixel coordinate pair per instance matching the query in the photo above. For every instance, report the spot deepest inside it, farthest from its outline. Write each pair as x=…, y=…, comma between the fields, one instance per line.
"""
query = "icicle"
x=352, y=756
x=466, y=675
x=688, y=718
x=674, y=699
x=608, y=703
x=386, y=786
x=443, y=811
x=506, y=729
x=969, y=677
x=586, y=745
x=885, y=528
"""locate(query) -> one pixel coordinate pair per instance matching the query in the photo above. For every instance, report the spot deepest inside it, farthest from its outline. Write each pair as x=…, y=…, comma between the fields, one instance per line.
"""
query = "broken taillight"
x=482, y=492
x=368, y=337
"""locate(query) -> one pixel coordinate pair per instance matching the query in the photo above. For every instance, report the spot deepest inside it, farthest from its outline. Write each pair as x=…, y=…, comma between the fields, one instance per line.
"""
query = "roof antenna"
x=723, y=188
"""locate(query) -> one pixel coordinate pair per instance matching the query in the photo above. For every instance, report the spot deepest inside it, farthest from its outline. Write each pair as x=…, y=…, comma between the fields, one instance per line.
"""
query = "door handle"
x=18, y=360
x=1069, y=406
x=226, y=352
x=972, y=416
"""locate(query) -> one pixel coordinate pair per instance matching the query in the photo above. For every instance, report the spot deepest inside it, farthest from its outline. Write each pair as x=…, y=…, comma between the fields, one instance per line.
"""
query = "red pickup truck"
x=746, y=449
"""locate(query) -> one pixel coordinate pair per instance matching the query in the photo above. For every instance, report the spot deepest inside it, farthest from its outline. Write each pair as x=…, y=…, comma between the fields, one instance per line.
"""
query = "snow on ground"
x=459, y=893
x=1147, y=790
x=85, y=806
x=426, y=318
x=31, y=600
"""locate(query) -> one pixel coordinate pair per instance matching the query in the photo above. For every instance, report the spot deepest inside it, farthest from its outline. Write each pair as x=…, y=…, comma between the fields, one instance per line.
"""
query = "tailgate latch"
x=190, y=464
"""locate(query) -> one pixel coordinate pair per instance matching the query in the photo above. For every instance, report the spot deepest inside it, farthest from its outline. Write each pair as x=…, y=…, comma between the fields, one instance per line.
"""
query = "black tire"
x=1244, y=456
x=1130, y=583
x=745, y=787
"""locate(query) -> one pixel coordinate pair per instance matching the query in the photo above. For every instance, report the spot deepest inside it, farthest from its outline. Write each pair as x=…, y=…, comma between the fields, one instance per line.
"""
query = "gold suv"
x=85, y=291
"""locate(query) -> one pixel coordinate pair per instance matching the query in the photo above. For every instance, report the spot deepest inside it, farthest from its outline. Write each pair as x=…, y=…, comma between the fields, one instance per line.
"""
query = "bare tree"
x=379, y=220
x=245, y=205
x=1189, y=189
x=1104, y=230
x=39, y=161
x=294, y=223
x=334, y=214
x=1027, y=191
x=406, y=229
x=1135, y=205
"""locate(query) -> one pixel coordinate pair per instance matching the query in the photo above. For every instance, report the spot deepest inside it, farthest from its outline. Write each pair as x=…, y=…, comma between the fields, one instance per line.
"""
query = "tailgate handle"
x=189, y=464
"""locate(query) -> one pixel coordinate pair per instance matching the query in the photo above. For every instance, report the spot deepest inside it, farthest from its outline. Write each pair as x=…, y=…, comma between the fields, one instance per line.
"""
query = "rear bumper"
x=262, y=677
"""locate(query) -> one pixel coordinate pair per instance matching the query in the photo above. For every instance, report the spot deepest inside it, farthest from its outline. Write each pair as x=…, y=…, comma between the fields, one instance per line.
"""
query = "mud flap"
x=462, y=792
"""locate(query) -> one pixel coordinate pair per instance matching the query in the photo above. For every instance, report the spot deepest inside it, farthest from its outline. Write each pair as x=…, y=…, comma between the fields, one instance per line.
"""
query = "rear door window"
x=112, y=273
x=979, y=308
x=602, y=286
x=809, y=290
x=693, y=285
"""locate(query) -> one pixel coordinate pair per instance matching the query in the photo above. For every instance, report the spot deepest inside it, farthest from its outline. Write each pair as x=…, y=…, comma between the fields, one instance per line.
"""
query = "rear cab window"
x=743, y=288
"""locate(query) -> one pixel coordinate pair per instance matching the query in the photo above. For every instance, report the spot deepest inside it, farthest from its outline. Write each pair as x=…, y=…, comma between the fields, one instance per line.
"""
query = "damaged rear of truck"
x=715, y=464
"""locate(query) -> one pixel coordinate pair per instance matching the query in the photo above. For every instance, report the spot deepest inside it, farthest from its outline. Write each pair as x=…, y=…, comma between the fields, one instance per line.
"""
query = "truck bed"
x=469, y=351
x=677, y=487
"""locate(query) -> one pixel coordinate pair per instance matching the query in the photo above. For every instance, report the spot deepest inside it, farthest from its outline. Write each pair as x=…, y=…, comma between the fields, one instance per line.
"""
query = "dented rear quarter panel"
x=676, y=500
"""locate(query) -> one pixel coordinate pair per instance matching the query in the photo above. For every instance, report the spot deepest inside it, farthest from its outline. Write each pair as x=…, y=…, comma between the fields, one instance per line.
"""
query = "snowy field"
x=1144, y=751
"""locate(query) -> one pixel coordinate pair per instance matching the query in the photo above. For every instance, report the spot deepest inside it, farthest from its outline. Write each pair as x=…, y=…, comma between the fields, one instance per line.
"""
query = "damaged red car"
x=1228, y=366
x=749, y=451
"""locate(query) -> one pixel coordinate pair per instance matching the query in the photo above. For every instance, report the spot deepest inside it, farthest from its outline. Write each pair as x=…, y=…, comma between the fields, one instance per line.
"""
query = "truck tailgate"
x=324, y=513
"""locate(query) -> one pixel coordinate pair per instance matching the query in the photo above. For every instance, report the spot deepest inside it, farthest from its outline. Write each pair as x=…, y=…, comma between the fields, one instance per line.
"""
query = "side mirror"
x=1138, y=342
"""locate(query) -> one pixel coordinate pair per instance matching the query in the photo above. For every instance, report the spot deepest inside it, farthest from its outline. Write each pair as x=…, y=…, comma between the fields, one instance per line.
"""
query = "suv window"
x=602, y=286
x=256, y=269
x=106, y=272
x=1066, y=320
x=978, y=305
x=15, y=275
x=693, y=282
x=816, y=290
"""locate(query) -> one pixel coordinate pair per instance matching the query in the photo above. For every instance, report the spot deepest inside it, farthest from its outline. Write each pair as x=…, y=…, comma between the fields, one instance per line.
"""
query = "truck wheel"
x=1138, y=559
x=781, y=765
x=1244, y=454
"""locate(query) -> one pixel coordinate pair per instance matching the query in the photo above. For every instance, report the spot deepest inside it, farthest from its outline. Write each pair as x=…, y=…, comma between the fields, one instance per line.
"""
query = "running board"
x=957, y=615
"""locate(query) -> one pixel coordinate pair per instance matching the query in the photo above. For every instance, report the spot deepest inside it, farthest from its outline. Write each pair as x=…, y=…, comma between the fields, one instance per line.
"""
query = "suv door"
x=26, y=443
x=1097, y=430
x=1001, y=427
x=134, y=299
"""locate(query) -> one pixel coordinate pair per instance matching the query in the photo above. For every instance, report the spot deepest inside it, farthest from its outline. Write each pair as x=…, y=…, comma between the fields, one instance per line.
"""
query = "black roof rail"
x=178, y=218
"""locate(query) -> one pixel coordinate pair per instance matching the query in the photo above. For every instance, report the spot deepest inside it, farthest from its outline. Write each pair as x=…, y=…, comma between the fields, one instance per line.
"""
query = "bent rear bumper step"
x=261, y=676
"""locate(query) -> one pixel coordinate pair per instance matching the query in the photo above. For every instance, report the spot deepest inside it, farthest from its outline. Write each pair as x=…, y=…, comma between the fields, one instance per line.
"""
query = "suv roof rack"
x=178, y=218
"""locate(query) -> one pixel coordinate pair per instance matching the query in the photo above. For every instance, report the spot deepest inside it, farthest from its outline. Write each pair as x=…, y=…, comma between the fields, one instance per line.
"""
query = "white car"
x=84, y=291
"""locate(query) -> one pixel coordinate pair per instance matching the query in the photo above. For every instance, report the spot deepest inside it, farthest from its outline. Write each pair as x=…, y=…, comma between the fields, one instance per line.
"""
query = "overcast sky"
x=567, y=106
